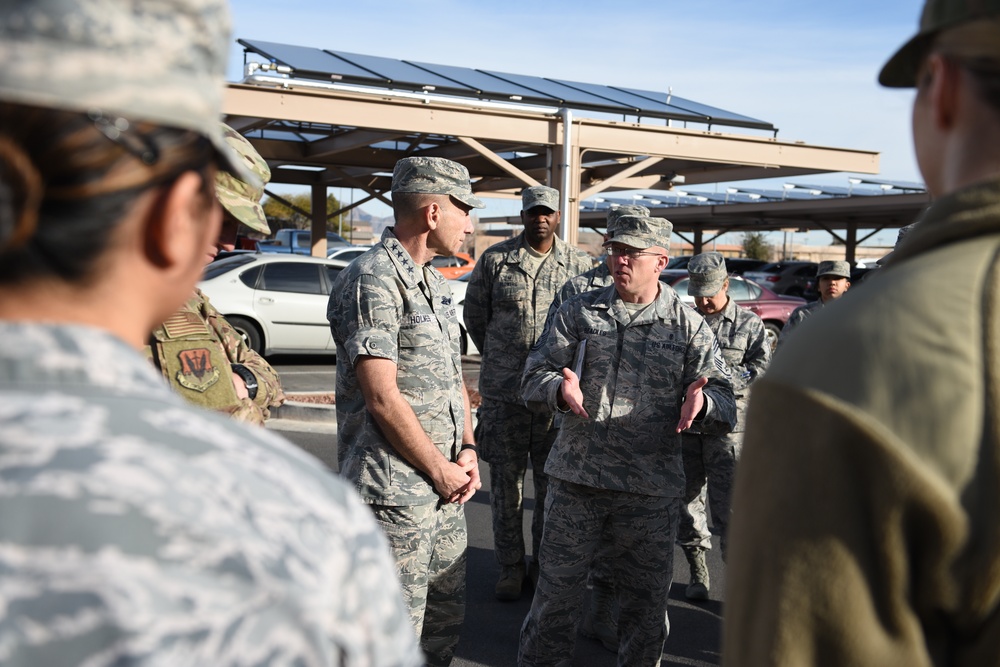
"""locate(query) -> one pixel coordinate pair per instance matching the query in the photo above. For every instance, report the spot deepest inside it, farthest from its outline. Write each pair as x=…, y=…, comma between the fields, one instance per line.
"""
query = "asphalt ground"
x=491, y=630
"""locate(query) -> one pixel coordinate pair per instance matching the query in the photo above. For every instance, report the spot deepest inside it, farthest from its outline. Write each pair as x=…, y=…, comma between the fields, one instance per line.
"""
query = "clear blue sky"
x=808, y=68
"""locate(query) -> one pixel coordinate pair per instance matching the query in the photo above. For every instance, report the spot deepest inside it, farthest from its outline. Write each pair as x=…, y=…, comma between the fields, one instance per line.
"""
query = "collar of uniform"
x=410, y=272
x=967, y=213
x=661, y=307
x=558, y=252
x=729, y=312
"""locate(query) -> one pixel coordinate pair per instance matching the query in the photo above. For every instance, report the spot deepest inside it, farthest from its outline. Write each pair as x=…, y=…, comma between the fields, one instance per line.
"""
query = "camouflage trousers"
x=709, y=463
x=508, y=436
x=429, y=542
x=642, y=530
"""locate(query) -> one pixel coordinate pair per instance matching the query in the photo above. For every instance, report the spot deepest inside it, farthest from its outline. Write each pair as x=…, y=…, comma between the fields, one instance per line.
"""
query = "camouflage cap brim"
x=900, y=71
x=469, y=200
x=243, y=209
x=162, y=63
x=698, y=286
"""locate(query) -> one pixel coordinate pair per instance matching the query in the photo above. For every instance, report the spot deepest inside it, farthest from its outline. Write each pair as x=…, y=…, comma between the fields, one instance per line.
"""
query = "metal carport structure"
x=324, y=130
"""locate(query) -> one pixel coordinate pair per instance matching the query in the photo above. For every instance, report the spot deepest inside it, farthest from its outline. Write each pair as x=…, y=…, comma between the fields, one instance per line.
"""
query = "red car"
x=773, y=308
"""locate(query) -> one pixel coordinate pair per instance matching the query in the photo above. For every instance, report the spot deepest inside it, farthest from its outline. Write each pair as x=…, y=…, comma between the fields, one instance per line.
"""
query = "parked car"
x=458, y=287
x=740, y=265
x=276, y=301
x=678, y=261
x=772, y=308
x=790, y=278
x=299, y=242
x=348, y=254
x=455, y=266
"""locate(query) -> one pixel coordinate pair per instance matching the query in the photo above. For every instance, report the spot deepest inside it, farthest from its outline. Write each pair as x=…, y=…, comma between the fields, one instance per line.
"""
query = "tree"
x=285, y=217
x=755, y=247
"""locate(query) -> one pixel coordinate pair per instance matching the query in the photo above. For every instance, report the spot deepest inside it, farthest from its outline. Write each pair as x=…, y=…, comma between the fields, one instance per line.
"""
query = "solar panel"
x=714, y=114
x=486, y=84
x=558, y=91
x=627, y=99
x=306, y=60
x=400, y=72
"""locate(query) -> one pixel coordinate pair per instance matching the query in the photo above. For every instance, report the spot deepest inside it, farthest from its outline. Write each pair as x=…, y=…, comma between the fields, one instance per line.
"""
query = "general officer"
x=508, y=297
x=404, y=431
x=834, y=279
x=200, y=354
x=874, y=435
x=710, y=459
x=136, y=528
x=650, y=368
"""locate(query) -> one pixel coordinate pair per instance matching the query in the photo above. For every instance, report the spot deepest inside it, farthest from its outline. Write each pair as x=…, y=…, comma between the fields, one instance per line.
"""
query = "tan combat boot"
x=698, y=588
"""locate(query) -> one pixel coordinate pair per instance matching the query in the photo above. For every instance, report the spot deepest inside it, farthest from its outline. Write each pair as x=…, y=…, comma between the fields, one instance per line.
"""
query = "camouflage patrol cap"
x=160, y=62
x=708, y=274
x=940, y=16
x=628, y=209
x=434, y=176
x=540, y=195
x=839, y=268
x=241, y=199
x=903, y=231
x=641, y=231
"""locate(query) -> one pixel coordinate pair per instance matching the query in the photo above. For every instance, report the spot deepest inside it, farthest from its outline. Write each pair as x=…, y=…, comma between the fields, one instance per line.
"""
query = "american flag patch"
x=184, y=324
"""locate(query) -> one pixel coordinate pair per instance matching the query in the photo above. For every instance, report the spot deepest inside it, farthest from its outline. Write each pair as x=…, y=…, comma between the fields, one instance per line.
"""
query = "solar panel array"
x=326, y=65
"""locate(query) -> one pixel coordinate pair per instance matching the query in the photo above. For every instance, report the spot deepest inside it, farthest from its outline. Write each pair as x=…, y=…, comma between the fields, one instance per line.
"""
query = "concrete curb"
x=307, y=412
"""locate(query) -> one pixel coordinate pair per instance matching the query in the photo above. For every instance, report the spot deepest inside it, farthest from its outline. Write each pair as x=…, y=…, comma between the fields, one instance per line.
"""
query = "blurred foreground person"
x=200, y=354
x=136, y=529
x=868, y=494
x=631, y=367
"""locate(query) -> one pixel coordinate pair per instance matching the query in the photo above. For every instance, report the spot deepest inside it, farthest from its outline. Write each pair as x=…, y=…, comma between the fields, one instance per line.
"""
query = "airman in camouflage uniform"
x=135, y=528
x=710, y=459
x=404, y=432
x=508, y=297
x=598, y=623
x=200, y=354
x=651, y=368
x=600, y=275
x=834, y=280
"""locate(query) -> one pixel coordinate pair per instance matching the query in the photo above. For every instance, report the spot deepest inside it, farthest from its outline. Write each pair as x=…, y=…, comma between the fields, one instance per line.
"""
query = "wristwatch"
x=248, y=377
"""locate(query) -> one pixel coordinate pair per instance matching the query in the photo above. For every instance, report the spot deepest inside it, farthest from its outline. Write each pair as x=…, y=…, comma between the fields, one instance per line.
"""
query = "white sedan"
x=458, y=287
x=276, y=301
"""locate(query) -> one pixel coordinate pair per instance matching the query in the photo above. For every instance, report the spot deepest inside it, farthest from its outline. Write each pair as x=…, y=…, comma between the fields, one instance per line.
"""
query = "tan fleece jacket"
x=866, y=527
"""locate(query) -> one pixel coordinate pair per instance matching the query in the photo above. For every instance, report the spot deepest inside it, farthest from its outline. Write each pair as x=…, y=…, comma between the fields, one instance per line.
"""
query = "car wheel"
x=249, y=332
x=463, y=344
x=772, y=330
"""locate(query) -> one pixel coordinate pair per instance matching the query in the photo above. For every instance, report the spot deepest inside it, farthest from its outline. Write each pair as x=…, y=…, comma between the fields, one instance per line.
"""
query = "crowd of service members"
x=136, y=528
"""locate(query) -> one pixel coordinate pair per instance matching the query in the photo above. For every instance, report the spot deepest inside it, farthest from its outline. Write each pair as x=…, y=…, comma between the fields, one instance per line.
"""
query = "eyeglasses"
x=630, y=253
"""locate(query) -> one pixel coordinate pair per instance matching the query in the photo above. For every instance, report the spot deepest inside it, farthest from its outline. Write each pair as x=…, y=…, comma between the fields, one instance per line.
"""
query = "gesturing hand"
x=694, y=401
x=571, y=393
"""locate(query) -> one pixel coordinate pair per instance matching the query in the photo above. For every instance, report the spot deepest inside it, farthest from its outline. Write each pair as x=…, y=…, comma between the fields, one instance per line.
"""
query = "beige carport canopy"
x=327, y=135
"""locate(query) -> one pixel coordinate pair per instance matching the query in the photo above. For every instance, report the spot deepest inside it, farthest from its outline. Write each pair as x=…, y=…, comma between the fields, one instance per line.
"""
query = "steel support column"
x=318, y=220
